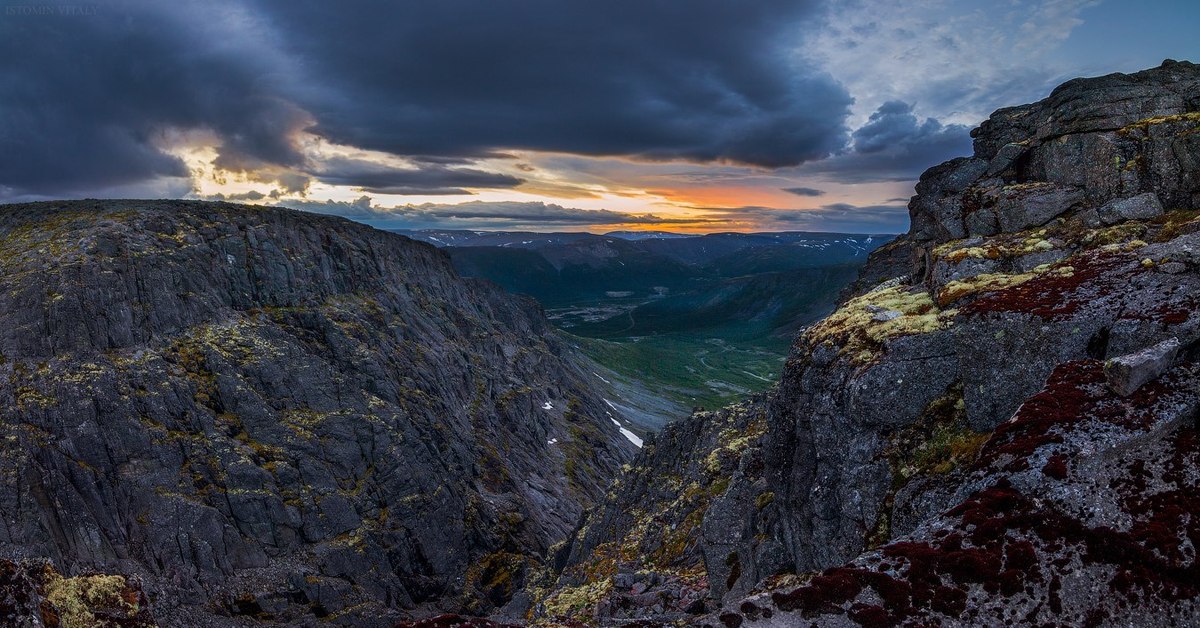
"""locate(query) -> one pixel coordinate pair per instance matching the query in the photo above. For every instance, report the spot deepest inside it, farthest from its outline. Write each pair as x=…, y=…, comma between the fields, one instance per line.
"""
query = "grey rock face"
x=1140, y=207
x=887, y=409
x=1127, y=373
x=685, y=517
x=1090, y=142
x=1020, y=207
x=1042, y=529
x=266, y=412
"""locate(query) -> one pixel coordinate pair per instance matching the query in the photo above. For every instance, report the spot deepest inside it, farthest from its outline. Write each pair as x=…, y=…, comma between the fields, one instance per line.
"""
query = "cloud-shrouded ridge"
x=837, y=217
x=479, y=214
x=842, y=217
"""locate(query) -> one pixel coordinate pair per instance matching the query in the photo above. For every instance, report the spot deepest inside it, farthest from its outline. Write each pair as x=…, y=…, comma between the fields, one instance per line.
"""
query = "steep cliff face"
x=275, y=414
x=1080, y=510
x=1071, y=237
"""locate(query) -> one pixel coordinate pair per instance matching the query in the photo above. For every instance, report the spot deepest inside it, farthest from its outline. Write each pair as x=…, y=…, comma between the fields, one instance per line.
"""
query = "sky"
x=545, y=115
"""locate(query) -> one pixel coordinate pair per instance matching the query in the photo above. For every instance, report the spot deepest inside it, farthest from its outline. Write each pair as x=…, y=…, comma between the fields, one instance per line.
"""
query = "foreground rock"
x=1042, y=530
x=1128, y=373
x=281, y=416
x=33, y=593
x=950, y=428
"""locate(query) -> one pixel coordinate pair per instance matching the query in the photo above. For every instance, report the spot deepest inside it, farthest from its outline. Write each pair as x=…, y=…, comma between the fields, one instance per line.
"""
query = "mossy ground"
x=81, y=601
x=860, y=328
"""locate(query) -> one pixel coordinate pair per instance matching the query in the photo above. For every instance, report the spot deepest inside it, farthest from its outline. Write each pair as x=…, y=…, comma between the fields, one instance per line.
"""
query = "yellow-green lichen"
x=939, y=441
x=860, y=328
x=76, y=600
x=957, y=290
x=732, y=442
x=574, y=600
x=1145, y=123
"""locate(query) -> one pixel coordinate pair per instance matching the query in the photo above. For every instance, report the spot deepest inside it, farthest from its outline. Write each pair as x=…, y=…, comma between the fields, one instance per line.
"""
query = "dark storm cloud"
x=894, y=124
x=675, y=79
x=805, y=191
x=426, y=179
x=895, y=145
x=477, y=214
x=86, y=97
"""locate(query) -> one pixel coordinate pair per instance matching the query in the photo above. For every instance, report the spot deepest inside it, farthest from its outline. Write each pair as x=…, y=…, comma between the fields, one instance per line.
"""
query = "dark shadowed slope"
x=275, y=414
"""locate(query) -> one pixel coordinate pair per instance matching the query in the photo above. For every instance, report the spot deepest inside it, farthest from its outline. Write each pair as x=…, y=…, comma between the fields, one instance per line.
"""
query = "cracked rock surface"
x=267, y=415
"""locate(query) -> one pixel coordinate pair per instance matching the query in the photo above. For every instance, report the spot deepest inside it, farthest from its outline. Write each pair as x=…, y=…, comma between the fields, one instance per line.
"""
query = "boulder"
x=1140, y=207
x=1129, y=372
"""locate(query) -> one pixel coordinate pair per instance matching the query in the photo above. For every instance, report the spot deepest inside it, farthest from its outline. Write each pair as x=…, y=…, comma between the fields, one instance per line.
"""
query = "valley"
x=675, y=321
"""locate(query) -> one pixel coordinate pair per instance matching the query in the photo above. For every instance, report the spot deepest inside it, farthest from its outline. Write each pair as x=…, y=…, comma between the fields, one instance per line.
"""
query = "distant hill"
x=648, y=235
x=747, y=307
x=577, y=270
x=558, y=268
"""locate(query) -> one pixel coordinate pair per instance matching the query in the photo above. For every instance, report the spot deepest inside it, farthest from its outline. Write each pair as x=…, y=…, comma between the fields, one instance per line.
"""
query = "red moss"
x=1060, y=296
x=1173, y=316
x=1056, y=467
x=1095, y=617
x=825, y=592
x=1020, y=555
x=451, y=620
x=948, y=601
x=1075, y=392
x=1055, y=599
x=1069, y=393
x=869, y=615
x=1006, y=543
x=1177, y=308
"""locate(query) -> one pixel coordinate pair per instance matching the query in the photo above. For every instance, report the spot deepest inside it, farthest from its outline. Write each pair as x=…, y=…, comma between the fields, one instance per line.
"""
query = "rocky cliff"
x=997, y=426
x=266, y=415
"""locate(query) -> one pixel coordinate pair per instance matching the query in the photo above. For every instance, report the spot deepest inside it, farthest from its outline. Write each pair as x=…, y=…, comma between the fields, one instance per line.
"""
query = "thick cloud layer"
x=430, y=179
x=687, y=79
x=895, y=144
x=86, y=97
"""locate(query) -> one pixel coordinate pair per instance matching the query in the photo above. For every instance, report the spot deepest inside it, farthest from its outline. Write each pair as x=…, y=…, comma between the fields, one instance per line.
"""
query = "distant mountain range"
x=562, y=268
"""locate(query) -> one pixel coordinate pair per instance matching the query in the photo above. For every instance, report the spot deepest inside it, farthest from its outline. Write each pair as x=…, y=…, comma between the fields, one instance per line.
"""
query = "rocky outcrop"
x=274, y=415
x=1091, y=141
x=1128, y=373
x=1045, y=529
x=33, y=593
x=951, y=427
x=644, y=556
